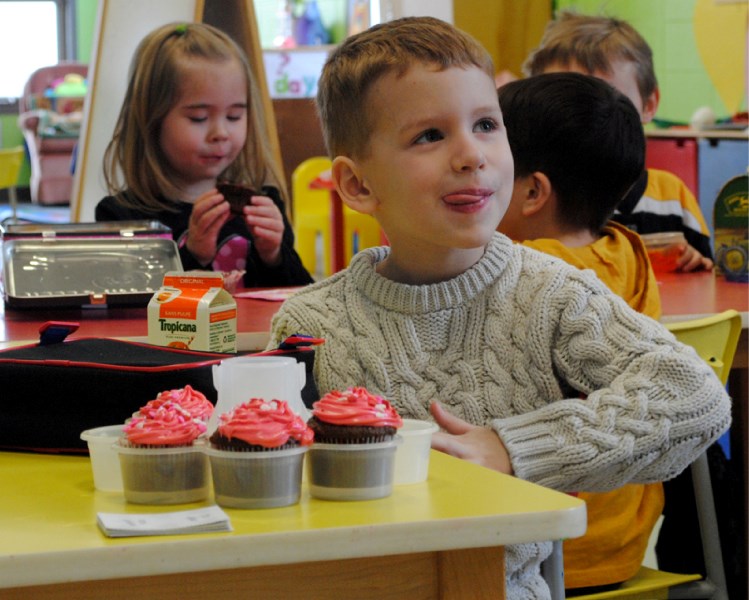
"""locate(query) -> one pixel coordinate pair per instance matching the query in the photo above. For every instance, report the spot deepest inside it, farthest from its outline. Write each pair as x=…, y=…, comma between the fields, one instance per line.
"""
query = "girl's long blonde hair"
x=135, y=168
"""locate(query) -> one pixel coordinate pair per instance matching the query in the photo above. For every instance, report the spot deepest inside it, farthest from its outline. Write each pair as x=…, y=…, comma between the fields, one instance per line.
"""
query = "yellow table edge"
x=48, y=520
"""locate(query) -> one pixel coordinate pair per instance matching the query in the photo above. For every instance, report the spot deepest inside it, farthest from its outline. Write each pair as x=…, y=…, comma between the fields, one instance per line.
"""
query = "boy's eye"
x=194, y=119
x=429, y=136
x=486, y=125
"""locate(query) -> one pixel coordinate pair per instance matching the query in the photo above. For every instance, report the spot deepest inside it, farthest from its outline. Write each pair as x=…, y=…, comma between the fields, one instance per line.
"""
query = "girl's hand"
x=475, y=444
x=265, y=222
x=692, y=260
x=209, y=213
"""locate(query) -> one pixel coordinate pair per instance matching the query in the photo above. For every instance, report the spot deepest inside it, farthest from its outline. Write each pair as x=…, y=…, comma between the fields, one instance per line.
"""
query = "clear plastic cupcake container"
x=168, y=475
x=256, y=479
x=104, y=461
x=351, y=471
x=412, y=457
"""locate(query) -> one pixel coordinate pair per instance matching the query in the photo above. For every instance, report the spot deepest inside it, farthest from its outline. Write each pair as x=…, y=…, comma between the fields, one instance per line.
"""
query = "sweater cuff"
x=536, y=454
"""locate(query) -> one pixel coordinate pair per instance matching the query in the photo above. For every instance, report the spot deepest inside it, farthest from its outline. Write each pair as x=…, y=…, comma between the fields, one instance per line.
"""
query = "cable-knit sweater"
x=513, y=343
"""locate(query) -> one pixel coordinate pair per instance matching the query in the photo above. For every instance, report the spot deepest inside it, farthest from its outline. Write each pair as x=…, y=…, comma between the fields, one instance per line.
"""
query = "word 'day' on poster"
x=293, y=73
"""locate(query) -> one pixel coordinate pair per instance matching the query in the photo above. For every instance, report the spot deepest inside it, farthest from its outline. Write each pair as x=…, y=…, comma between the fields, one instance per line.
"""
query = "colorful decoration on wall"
x=717, y=26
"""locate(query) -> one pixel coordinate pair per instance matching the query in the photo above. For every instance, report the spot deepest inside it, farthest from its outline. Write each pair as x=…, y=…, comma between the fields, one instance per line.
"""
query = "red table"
x=23, y=324
x=683, y=296
x=691, y=295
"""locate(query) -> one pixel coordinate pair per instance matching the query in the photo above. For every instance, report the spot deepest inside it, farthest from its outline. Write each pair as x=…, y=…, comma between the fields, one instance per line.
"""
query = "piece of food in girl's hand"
x=238, y=196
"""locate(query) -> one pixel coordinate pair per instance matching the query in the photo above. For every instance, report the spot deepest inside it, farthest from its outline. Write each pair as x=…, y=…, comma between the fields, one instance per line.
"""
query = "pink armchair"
x=50, y=143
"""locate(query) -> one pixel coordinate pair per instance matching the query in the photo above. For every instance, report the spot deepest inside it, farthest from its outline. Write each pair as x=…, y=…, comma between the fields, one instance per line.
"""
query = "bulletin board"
x=120, y=26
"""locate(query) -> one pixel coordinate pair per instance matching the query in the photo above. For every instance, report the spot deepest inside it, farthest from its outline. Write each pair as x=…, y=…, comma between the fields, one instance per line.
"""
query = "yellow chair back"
x=11, y=160
x=311, y=220
x=306, y=201
x=715, y=339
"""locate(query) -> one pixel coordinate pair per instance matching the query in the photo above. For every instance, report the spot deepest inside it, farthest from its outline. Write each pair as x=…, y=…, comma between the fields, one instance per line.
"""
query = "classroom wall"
x=699, y=50
x=85, y=22
x=691, y=40
x=508, y=29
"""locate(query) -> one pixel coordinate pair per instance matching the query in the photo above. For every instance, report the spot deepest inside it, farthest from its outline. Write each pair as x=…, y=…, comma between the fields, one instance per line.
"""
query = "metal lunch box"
x=74, y=268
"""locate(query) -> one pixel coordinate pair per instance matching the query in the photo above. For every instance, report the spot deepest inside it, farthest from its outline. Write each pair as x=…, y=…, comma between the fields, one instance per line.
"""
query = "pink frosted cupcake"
x=261, y=425
x=187, y=397
x=354, y=416
x=355, y=443
x=161, y=457
x=257, y=453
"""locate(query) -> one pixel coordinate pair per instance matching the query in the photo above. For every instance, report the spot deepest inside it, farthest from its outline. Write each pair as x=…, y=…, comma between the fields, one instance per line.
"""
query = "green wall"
x=682, y=70
x=85, y=22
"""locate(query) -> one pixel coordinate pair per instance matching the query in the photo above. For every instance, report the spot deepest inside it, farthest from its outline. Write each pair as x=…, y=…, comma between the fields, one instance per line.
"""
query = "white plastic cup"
x=104, y=460
x=412, y=456
x=240, y=379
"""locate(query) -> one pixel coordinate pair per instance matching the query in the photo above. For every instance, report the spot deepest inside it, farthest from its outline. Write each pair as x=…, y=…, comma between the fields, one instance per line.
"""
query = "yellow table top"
x=49, y=532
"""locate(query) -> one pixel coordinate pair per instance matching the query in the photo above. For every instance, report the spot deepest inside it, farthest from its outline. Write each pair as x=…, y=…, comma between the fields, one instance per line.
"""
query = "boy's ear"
x=351, y=185
x=537, y=191
x=650, y=106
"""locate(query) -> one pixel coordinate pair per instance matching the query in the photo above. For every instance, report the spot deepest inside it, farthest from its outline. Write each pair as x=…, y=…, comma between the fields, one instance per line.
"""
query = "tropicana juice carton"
x=192, y=310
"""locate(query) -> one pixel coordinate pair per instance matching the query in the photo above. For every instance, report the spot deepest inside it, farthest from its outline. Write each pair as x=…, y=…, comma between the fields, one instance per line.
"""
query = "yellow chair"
x=11, y=160
x=311, y=220
x=715, y=339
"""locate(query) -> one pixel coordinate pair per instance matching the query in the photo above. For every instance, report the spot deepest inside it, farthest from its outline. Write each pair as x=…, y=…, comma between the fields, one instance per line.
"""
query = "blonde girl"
x=192, y=117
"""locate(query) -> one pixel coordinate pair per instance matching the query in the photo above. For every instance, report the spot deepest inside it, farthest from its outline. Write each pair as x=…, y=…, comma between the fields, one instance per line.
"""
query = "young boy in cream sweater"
x=456, y=322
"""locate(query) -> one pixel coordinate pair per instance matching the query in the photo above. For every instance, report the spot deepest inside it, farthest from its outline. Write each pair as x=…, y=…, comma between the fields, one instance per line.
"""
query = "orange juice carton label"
x=192, y=310
x=731, y=220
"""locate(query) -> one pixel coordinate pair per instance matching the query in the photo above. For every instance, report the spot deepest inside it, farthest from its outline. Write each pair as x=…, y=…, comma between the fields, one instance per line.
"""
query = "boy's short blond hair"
x=594, y=43
x=391, y=47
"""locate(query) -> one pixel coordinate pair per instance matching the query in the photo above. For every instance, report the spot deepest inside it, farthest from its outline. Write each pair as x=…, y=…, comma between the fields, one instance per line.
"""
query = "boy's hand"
x=692, y=260
x=209, y=213
x=475, y=444
x=265, y=222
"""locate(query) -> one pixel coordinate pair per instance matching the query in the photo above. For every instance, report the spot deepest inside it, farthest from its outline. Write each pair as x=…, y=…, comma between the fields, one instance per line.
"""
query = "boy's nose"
x=468, y=156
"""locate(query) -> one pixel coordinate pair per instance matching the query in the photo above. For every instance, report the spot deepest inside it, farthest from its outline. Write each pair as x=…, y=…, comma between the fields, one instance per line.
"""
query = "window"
x=33, y=34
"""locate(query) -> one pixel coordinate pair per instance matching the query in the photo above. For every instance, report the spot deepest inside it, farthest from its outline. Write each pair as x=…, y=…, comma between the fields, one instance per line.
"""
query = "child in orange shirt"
x=578, y=148
x=612, y=50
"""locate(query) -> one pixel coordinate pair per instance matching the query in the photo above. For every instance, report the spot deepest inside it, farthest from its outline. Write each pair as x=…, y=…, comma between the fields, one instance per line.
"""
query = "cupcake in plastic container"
x=161, y=457
x=257, y=453
x=355, y=443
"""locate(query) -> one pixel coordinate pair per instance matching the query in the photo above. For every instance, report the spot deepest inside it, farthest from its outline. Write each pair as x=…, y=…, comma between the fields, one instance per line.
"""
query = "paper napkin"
x=200, y=520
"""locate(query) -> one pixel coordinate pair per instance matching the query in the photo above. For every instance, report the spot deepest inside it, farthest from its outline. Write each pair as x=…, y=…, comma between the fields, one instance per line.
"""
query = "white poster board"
x=121, y=25
x=294, y=73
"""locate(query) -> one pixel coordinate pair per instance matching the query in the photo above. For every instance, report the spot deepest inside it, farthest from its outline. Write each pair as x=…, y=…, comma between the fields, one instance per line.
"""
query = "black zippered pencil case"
x=50, y=393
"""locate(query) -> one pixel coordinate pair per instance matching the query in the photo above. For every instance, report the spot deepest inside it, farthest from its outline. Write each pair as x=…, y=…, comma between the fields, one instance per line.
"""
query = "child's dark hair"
x=584, y=135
